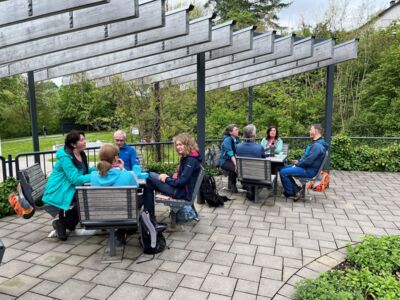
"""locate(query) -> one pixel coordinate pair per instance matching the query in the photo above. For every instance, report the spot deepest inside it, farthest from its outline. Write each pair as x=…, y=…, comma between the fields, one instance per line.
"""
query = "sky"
x=355, y=12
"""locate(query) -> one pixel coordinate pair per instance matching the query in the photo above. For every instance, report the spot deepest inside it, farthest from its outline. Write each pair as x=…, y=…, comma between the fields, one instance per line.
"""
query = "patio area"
x=243, y=250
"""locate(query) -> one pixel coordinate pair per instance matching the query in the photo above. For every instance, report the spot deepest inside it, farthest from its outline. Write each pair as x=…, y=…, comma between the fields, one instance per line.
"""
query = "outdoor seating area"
x=243, y=250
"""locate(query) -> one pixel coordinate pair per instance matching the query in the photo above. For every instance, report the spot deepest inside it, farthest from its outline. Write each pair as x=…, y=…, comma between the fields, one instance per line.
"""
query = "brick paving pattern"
x=243, y=250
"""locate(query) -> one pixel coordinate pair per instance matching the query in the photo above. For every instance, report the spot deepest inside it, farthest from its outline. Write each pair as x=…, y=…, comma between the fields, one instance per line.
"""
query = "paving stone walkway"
x=243, y=250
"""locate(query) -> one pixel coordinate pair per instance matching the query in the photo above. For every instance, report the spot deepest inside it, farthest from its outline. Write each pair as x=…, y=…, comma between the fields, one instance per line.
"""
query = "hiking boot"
x=60, y=230
x=298, y=195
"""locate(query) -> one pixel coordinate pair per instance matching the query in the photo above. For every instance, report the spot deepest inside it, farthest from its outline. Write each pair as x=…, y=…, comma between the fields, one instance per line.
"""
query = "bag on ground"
x=20, y=204
x=151, y=240
x=186, y=213
x=208, y=191
x=322, y=184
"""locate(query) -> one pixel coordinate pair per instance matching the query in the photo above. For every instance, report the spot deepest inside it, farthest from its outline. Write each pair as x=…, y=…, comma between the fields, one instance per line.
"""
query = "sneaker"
x=60, y=229
x=298, y=195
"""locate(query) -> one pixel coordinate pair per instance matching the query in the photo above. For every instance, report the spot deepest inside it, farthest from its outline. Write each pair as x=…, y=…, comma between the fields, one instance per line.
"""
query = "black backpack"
x=208, y=191
x=151, y=239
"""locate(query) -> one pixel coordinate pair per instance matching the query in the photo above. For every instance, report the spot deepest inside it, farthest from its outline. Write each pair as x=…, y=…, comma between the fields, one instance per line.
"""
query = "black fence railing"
x=148, y=153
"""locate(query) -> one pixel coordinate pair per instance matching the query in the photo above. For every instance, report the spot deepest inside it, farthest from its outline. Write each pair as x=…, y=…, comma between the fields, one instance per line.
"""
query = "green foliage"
x=161, y=168
x=6, y=188
x=379, y=255
x=375, y=260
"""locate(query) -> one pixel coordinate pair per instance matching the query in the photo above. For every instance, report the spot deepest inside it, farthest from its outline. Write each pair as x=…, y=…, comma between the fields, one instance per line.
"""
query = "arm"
x=184, y=177
x=72, y=172
x=279, y=146
x=228, y=147
x=264, y=143
x=132, y=156
x=307, y=159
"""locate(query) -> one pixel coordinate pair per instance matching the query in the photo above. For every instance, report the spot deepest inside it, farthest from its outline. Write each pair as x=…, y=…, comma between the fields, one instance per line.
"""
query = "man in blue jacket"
x=126, y=152
x=307, y=166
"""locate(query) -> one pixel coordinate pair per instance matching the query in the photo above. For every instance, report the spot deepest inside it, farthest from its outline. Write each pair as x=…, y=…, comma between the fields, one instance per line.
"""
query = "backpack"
x=322, y=184
x=151, y=240
x=21, y=204
x=208, y=192
x=186, y=213
x=212, y=156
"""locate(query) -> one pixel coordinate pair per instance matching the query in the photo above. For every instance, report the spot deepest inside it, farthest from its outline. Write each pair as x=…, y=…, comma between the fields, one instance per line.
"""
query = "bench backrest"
x=322, y=166
x=33, y=181
x=285, y=149
x=107, y=206
x=253, y=168
x=198, y=183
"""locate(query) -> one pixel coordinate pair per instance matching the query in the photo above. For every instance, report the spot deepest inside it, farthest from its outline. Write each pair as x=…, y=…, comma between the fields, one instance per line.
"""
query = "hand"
x=175, y=175
x=163, y=177
x=294, y=161
x=120, y=163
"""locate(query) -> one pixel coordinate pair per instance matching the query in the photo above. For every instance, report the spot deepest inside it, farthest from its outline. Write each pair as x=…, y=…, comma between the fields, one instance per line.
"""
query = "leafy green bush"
x=375, y=261
x=379, y=255
x=171, y=168
x=7, y=187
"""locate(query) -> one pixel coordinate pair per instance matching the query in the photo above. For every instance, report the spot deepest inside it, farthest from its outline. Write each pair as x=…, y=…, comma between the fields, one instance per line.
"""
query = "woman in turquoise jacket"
x=272, y=140
x=71, y=170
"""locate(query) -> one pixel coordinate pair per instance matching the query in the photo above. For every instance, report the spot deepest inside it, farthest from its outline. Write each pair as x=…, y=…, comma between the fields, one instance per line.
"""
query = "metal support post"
x=330, y=77
x=250, y=108
x=33, y=113
x=201, y=108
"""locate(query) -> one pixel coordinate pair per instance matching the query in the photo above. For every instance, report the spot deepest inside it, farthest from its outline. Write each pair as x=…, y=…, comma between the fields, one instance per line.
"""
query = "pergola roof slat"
x=151, y=15
x=20, y=11
x=176, y=24
x=68, y=21
x=199, y=32
x=342, y=52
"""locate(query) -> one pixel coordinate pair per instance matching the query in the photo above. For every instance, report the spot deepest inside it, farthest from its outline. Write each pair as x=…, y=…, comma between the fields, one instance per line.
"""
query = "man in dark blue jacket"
x=126, y=152
x=249, y=148
x=307, y=166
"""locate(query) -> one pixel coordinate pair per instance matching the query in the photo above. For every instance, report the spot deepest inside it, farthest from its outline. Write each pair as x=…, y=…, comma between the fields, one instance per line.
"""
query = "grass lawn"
x=22, y=145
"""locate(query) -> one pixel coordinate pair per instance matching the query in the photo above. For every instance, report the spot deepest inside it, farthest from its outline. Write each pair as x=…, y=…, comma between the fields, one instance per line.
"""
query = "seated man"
x=249, y=148
x=307, y=166
x=126, y=152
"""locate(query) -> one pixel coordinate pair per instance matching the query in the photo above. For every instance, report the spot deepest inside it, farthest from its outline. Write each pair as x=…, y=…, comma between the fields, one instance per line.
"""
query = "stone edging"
x=311, y=270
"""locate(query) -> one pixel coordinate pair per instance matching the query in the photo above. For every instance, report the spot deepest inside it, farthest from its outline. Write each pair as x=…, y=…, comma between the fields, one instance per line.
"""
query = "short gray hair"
x=249, y=132
x=120, y=132
x=319, y=128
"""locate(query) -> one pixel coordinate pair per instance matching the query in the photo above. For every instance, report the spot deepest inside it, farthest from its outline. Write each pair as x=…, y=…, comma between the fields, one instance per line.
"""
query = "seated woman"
x=181, y=184
x=272, y=140
x=70, y=170
x=227, y=160
x=111, y=172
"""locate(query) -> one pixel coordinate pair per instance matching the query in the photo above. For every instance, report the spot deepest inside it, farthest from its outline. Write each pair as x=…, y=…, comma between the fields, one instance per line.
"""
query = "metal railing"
x=163, y=152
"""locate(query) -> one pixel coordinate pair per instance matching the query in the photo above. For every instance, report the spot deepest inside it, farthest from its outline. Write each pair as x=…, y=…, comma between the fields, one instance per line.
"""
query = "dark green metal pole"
x=330, y=77
x=250, y=108
x=201, y=102
x=33, y=113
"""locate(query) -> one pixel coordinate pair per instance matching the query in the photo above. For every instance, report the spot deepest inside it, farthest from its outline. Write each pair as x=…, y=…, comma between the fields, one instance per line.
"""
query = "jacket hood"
x=196, y=155
x=322, y=142
x=112, y=176
x=62, y=153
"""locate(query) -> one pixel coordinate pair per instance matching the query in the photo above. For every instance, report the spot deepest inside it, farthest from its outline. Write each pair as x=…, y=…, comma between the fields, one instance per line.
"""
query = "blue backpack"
x=186, y=213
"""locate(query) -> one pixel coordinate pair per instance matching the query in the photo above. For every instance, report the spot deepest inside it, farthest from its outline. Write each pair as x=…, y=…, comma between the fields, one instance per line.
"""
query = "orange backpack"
x=20, y=204
x=320, y=185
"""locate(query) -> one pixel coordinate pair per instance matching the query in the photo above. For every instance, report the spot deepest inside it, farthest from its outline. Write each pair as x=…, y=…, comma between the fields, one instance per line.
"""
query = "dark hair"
x=269, y=130
x=319, y=128
x=73, y=137
x=229, y=129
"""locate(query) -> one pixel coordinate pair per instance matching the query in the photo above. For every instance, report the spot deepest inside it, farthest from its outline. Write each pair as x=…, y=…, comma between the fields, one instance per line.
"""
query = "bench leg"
x=111, y=242
x=256, y=194
x=173, y=218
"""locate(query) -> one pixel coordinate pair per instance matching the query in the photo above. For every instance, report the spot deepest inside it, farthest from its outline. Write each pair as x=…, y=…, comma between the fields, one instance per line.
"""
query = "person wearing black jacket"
x=179, y=185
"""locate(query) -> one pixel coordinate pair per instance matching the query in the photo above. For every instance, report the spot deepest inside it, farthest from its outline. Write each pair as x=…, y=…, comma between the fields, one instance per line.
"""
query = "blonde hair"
x=120, y=132
x=107, y=154
x=188, y=142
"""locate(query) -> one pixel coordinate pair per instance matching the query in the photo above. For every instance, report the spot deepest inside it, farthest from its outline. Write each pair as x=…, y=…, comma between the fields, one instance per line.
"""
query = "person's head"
x=75, y=140
x=232, y=130
x=272, y=133
x=185, y=144
x=316, y=131
x=249, y=132
x=119, y=138
x=108, y=155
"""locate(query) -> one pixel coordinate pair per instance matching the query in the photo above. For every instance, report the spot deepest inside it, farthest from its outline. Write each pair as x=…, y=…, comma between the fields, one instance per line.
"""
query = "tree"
x=247, y=13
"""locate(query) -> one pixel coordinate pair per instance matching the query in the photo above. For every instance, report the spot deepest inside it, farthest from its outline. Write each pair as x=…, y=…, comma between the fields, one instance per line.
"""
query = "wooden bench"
x=256, y=172
x=176, y=204
x=108, y=207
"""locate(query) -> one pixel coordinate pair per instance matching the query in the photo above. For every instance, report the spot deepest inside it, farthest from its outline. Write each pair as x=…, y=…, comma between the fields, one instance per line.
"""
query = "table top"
x=278, y=158
x=139, y=180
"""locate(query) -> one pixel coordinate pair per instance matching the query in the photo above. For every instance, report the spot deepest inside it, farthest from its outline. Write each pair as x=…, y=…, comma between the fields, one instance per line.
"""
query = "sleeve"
x=279, y=146
x=307, y=160
x=132, y=156
x=264, y=142
x=228, y=147
x=187, y=172
x=263, y=155
x=72, y=172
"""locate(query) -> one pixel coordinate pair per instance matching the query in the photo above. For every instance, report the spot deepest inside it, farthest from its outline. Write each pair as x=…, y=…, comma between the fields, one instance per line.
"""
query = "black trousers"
x=69, y=218
x=232, y=176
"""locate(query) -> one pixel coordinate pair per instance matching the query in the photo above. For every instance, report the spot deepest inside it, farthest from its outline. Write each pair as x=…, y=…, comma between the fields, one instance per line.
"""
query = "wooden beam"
x=23, y=10
x=343, y=52
x=151, y=15
x=114, y=11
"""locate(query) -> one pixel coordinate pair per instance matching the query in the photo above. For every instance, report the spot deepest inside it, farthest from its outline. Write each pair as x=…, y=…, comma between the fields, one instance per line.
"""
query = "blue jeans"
x=153, y=183
x=289, y=185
